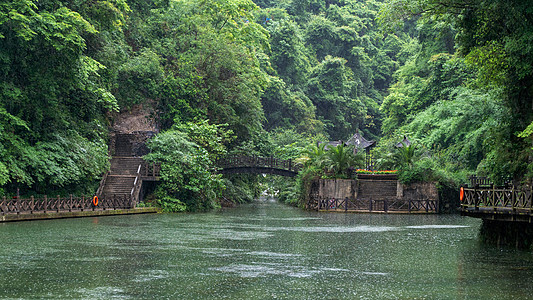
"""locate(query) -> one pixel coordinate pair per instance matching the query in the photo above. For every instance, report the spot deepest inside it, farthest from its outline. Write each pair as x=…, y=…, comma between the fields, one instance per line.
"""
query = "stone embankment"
x=373, y=193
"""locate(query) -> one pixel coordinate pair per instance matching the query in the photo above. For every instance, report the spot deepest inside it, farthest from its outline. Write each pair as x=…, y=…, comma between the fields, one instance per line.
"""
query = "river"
x=263, y=250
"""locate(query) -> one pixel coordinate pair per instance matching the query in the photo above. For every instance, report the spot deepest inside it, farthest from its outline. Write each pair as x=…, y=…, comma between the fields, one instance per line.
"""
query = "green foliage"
x=288, y=51
x=187, y=179
x=286, y=109
x=53, y=99
x=404, y=156
x=140, y=78
x=212, y=138
x=491, y=37
x=315, y=156
x=334, y=92
x=211, y=63
x=241, y=188
x=340, y=160
x=457, y=76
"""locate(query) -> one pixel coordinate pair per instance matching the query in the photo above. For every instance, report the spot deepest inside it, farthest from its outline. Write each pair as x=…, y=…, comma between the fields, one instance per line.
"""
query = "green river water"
x=263, y=250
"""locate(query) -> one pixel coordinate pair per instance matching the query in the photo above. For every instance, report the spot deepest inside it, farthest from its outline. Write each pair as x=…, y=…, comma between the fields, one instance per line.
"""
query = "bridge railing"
x=235, y=161
x=491, y=200
x=62, y=204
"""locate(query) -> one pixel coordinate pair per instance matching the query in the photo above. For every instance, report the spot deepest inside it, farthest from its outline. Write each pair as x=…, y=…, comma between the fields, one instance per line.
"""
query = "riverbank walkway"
x=67, y=207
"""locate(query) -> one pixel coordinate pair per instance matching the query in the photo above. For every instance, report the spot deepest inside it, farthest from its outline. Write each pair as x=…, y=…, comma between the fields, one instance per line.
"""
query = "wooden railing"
x=102, y=183
x=150, y=170
x=237, y=161
x=485, y=182
x=480, y=181
x=62, y=204
x=497, y=200
x=370, y=205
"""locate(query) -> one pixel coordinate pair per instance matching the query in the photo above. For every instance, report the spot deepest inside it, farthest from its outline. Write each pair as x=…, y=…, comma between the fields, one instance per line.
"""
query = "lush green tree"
x=334, y=92
x=491, y=36
x=288, y=55
x=52, y=98
x=340, y=159
x=188, y=180
x=289, y=109
x=210, y=53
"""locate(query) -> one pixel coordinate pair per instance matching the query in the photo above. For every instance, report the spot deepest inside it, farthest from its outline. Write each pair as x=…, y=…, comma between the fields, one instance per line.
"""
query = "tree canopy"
x=262, y=77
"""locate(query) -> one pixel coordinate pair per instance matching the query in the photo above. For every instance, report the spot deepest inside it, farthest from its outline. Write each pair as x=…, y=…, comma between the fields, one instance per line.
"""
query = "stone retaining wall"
x=374, y=188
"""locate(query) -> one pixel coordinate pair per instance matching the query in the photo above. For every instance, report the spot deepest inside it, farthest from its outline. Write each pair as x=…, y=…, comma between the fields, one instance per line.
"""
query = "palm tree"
x=316, y=155
x=340, y=159
x=404, y=156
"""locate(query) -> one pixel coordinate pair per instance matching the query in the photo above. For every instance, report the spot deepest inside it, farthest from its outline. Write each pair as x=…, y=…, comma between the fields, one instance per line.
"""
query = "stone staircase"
x=377, y=189
x=122, y=177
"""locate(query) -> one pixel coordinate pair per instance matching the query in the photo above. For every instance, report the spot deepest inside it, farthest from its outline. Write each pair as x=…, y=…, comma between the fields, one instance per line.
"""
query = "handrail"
x=136, y=189
x=102, y=183
x=150, y=170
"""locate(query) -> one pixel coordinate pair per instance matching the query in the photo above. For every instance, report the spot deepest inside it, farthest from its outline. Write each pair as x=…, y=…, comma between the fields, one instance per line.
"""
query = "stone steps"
x=118, y=185
x=377, y=189
x=125, y=165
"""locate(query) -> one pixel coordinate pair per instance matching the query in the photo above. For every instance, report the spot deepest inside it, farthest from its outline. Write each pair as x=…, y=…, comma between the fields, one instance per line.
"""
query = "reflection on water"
x=264, y=250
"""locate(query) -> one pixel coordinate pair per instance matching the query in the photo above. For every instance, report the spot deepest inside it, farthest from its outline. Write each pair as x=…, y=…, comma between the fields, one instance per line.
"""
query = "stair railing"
x=102, y=184
x=136, y=189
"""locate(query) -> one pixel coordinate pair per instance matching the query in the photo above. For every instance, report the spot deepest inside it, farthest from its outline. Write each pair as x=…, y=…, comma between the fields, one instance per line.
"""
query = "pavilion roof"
x=405, y=142
x=360, y=142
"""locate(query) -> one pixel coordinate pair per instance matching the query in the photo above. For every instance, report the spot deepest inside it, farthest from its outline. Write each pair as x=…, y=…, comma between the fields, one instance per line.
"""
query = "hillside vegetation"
x=266, y=77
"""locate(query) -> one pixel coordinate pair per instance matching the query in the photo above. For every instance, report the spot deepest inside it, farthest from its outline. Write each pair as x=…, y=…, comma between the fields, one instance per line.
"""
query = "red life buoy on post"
x=95, y=201
x=461, y=194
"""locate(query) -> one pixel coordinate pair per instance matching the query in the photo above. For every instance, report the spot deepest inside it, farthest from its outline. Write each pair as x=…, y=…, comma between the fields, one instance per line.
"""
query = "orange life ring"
x=95, y=201
x=461, y=193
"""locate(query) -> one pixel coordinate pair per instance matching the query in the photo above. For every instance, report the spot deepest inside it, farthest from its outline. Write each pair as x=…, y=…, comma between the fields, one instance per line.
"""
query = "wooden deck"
x=493, y=203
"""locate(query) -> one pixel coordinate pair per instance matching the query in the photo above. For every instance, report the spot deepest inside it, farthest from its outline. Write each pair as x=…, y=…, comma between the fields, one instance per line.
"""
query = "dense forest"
x=265, y=77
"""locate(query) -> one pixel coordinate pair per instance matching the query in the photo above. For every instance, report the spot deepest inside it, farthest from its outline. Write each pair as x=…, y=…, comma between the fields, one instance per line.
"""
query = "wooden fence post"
x=476, y=200
x=346, y=204
x=513, y=199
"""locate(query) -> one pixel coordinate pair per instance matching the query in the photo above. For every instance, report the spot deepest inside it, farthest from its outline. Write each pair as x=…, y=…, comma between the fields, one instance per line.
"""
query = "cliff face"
x=140, y=118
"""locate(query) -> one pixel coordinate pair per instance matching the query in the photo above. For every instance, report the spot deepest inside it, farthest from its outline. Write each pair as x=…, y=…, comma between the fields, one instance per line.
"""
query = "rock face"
x=130, y=144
